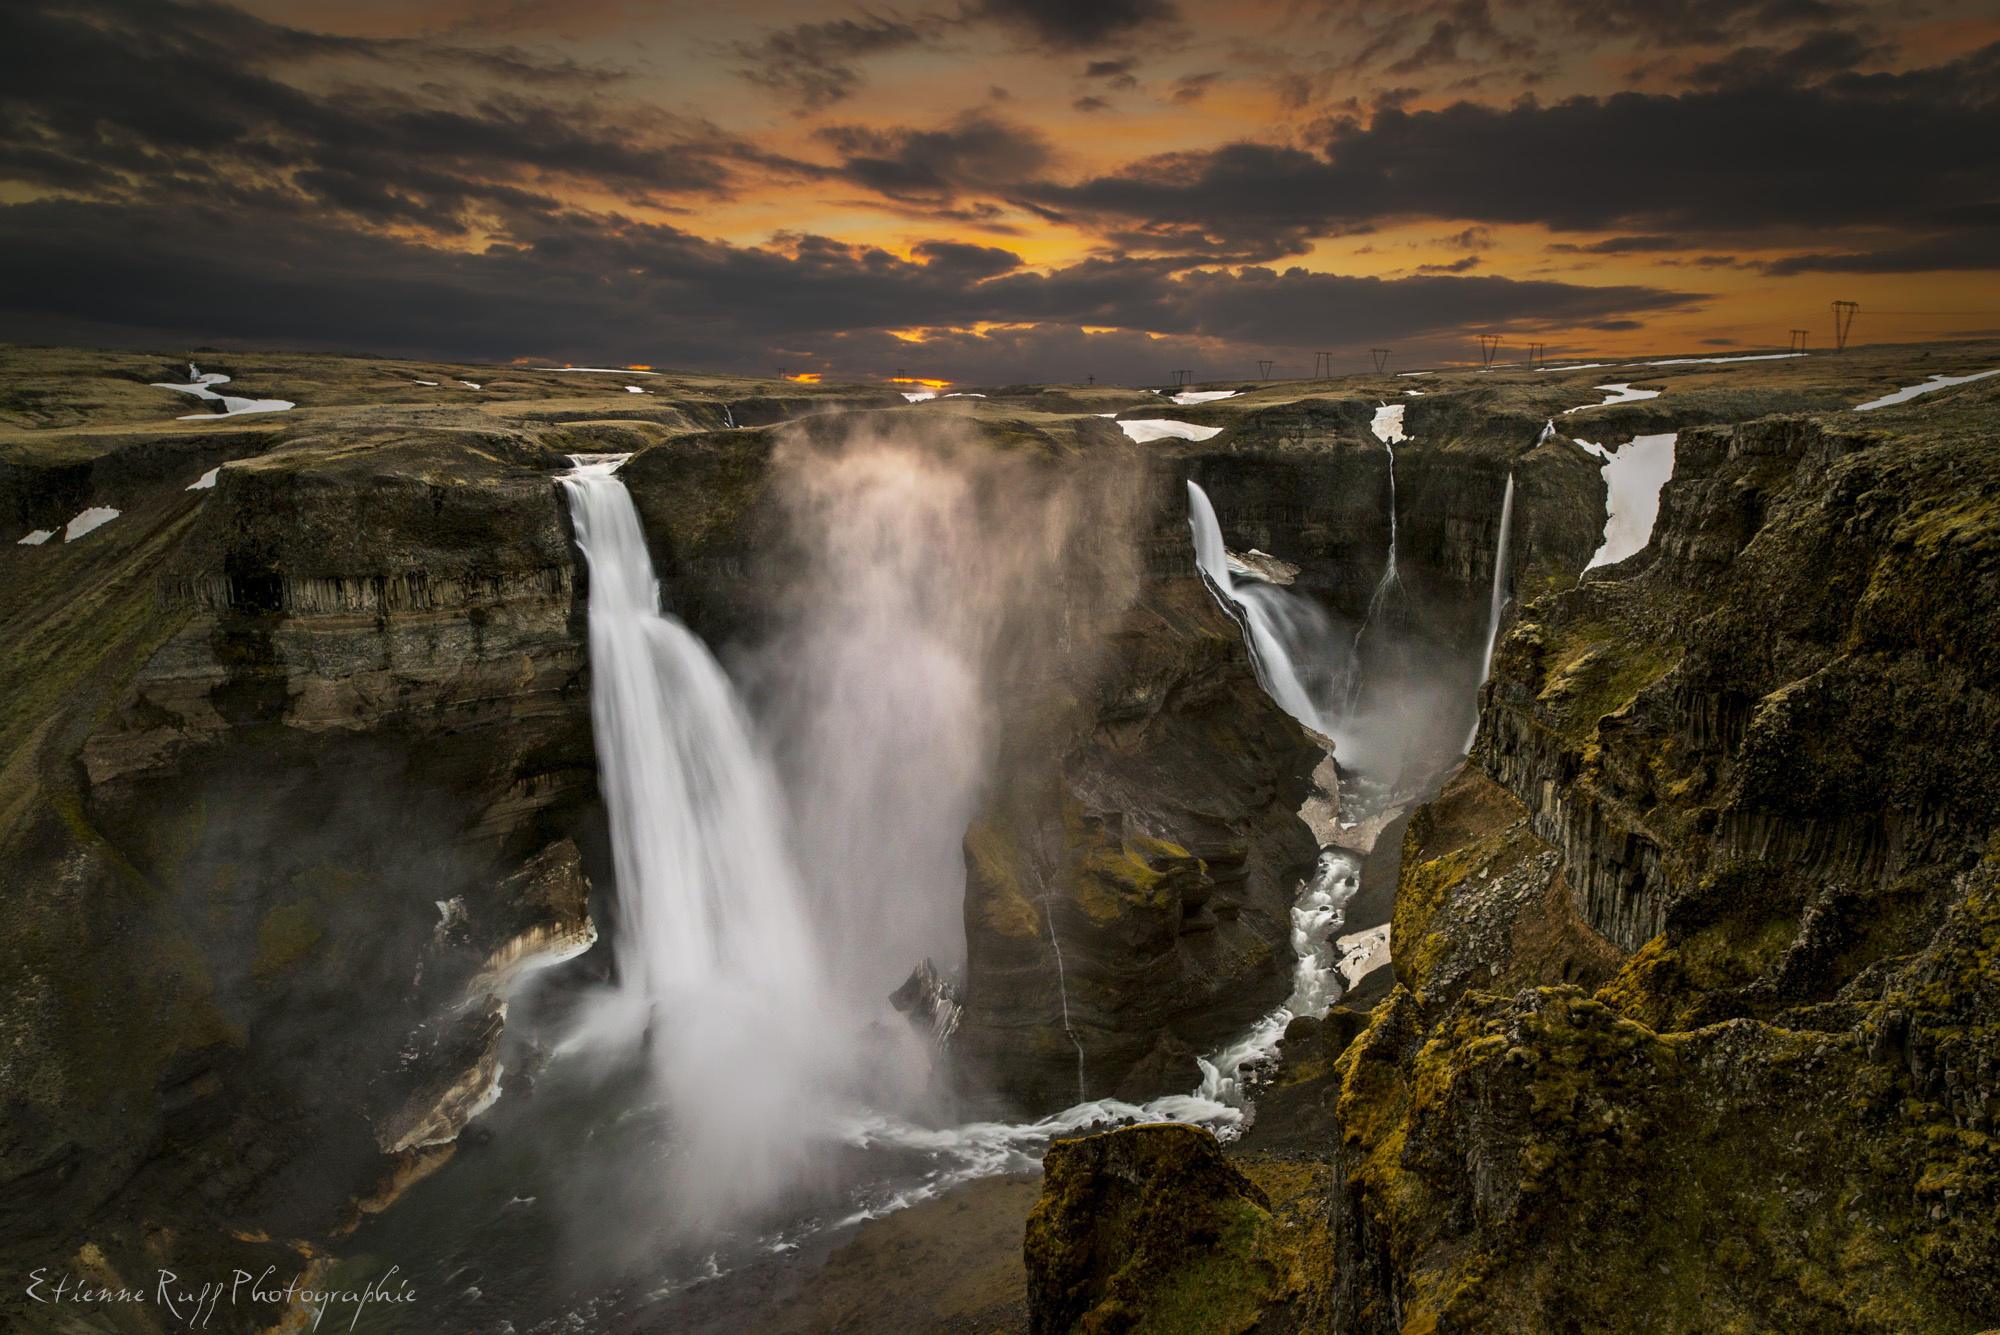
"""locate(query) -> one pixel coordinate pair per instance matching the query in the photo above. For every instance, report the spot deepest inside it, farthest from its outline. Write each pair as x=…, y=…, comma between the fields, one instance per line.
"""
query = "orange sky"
x=807, y=182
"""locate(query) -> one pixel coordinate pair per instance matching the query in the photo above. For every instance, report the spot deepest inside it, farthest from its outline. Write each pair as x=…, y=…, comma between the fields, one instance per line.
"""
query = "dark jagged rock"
x=1149, y=1228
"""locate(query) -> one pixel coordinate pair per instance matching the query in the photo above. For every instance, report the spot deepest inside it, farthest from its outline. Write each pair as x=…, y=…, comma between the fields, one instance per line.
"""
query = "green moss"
x=1220, y=1293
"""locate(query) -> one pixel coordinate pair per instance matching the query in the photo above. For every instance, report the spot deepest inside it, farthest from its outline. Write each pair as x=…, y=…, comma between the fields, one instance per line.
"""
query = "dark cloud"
x=1621, y=245
x=1462, y=264
x=814, y=62
x=1975, y=250
x=1817, y=56
x=198, y=102
x=1090, y=104
x=1079, y=24
x=1853, y=150
x=1118, y=71
x=83, y=270
x=967, y=262
x=977, y=151
x=1692, y=22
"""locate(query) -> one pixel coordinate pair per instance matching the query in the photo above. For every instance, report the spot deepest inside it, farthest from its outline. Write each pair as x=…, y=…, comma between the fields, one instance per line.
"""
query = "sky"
x=996, y=191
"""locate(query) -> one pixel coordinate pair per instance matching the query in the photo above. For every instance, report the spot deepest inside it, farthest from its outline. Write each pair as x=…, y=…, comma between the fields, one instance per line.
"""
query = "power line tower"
x=1843, y=320
x=1489, y=344
x=1534, y=355
x=1264, y=370
x=1381, y=356
x=1182, y=377
x=1799, y=340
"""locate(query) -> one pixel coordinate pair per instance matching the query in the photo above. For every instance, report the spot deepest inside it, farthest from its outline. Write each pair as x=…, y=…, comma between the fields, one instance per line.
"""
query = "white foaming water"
x=1936, y=382
x=1633, y=478
x=720, y=985
x=1221, y=1102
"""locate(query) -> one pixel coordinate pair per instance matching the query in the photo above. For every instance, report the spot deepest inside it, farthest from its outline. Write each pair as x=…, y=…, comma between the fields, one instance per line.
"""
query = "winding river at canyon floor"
x=702, y=1110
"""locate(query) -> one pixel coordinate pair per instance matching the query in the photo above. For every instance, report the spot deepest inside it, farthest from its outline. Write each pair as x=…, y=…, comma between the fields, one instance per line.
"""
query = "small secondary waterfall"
x=1388, y=428
x=719, y=980
x=1498, y=603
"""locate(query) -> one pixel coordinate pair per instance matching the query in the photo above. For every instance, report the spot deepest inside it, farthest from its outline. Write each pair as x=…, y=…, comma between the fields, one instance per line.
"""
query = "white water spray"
x=720, y=985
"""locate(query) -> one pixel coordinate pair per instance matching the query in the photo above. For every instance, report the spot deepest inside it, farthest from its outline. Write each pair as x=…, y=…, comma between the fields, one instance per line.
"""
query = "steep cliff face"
x=1756, y=765
x=299, y=765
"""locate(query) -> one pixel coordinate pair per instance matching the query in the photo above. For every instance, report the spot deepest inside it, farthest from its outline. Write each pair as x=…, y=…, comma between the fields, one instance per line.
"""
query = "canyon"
x=1691, y=1002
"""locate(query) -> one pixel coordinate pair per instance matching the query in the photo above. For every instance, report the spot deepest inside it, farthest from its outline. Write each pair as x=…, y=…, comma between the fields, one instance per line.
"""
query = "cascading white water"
x=1498, y=602
x=720, y=985
x=1288, y=635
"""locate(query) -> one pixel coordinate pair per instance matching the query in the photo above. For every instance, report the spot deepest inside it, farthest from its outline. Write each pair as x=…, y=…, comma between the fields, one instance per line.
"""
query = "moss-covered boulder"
x=1150, y=1230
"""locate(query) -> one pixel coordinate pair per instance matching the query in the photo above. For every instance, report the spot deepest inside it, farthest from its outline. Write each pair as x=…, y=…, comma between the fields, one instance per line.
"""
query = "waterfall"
x=1498, y=602
x=1288, y=635
x=719, y=983
x=1062, y=987
x=1388, y=428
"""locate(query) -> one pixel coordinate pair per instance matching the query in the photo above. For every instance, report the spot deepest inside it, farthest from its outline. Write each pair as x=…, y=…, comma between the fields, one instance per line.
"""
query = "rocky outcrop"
x=1128, y=891
x=1150, y=1228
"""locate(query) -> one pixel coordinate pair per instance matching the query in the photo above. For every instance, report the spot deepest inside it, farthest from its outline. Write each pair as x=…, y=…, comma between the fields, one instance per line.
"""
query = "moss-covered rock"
x=1150, y=1230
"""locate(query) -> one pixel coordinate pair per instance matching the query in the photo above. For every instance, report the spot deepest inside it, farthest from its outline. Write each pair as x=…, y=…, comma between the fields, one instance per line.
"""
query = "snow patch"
x=198, y=385
x=1936, y=382
x=96, y=517
x=1633, y=477
x=1621, y=392
x=37, y=538
x=1388, y=423
x=205, y=481
x=1159, y=428
x=1716, y=361
x=432, y=383
x=634, y=389
x=918, y=395
x=1189, y=396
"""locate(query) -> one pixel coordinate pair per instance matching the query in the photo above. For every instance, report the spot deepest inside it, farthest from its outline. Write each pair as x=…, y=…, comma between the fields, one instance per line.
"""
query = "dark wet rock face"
x=1128, y=894
x=1149, y=1228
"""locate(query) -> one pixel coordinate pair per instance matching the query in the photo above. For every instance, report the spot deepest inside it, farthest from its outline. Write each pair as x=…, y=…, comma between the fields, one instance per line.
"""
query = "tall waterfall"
x=1498, y=602
x=719, y=980
x=1388, y=428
